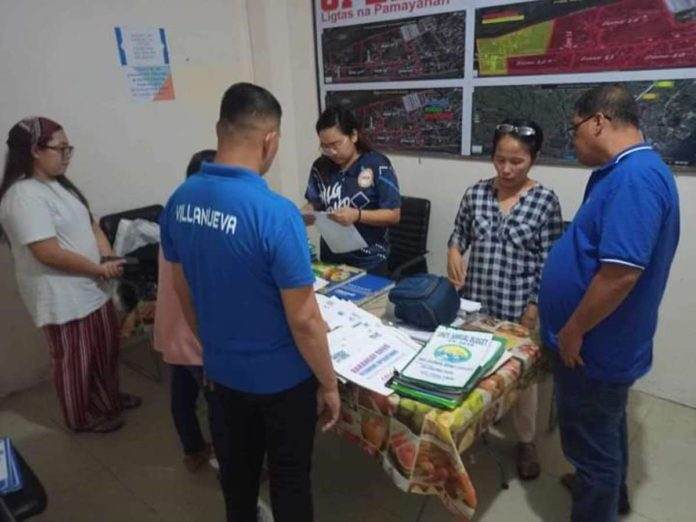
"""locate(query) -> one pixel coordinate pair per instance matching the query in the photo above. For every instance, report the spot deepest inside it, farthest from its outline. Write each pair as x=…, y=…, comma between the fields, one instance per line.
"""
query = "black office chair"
x=141, y=279
x=139, y=282
x=109, y=223
x=409, y=239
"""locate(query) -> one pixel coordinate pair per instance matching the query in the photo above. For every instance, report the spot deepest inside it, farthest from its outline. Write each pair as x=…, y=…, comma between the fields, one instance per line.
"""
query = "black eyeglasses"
x=65, y=150
x=575, y=126
x=520, y=130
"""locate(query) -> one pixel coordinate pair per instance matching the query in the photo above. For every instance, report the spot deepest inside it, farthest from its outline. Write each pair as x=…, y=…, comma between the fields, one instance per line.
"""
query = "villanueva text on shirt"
x=206, y=217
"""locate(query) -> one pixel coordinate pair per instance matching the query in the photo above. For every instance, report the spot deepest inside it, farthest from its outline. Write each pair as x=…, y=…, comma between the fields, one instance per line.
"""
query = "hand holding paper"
x=340, y=238
x=345, y=216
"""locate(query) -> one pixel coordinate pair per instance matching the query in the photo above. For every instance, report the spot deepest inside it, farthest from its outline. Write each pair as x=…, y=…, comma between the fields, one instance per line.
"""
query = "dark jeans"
x=592, y=423
x=186, y=385
x=281, y=425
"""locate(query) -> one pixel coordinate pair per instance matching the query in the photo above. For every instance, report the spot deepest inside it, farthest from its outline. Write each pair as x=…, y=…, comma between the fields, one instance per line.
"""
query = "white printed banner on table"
x=144, y=58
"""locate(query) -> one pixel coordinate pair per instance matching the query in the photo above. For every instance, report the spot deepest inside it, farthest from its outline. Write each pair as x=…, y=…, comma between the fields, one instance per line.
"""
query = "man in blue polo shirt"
x=600, y=293
x=243, y=275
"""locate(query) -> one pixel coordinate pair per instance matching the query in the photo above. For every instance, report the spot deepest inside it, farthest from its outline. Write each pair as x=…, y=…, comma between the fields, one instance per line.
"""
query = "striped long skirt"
x=84, y=356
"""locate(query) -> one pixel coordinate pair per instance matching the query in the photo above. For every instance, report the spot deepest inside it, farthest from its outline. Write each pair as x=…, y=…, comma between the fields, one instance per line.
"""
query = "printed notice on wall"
x=144, y=58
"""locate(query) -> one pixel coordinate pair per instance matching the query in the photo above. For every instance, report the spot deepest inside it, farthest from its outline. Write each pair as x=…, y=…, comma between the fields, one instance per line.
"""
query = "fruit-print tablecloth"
x=420, y=446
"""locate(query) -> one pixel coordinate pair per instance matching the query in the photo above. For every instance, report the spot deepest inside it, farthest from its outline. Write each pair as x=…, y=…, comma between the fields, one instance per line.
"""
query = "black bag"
x=425, y=301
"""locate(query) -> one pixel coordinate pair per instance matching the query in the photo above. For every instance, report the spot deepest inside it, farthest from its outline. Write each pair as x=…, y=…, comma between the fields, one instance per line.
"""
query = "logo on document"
x=452, y=353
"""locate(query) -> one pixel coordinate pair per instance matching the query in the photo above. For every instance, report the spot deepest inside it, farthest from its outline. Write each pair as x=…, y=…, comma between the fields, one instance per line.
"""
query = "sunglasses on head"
x=521, y=130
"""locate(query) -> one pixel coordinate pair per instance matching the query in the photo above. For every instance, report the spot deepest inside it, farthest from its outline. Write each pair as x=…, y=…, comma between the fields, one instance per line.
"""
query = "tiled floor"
x=136, y=475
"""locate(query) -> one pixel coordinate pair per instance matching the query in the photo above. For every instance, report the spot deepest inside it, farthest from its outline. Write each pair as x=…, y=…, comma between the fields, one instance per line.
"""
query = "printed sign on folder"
x=450, y=358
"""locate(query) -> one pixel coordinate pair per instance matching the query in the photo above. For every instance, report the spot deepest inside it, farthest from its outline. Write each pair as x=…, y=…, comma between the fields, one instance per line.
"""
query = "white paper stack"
x=369, y=355
x=364, y=350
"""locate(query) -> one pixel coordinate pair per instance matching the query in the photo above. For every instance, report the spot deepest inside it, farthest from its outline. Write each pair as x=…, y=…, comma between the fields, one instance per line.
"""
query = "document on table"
x=341, y=239
x=338, y=313
x=319, y=283
x=369, y=355
x=451, y=357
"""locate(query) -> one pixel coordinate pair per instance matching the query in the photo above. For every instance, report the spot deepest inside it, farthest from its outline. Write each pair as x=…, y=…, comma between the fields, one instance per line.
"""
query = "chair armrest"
x=396, y=273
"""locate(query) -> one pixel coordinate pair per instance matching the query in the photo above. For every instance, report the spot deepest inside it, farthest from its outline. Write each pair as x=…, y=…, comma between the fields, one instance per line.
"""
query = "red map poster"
x=558, y=36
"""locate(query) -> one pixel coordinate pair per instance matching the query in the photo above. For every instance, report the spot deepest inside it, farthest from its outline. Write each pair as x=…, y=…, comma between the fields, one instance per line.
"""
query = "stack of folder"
x=349, y=283
x=449, y=366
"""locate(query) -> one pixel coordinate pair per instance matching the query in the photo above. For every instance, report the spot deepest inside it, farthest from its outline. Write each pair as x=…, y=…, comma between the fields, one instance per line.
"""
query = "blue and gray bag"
x=425, y=301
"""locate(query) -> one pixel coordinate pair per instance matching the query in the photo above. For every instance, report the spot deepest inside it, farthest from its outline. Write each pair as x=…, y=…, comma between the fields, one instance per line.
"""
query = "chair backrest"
x=409, y=239
x=109, y=224
x=138, y=281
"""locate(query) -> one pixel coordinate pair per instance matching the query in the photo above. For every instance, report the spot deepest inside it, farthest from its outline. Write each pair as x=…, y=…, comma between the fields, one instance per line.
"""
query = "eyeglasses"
x=521, y=130
x=65, y=150
x=575, y=126
x=334, y=147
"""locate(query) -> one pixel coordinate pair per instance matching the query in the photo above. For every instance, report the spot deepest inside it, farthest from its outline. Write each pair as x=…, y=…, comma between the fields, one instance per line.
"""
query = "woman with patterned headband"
x=57, y=249
x=508, y=224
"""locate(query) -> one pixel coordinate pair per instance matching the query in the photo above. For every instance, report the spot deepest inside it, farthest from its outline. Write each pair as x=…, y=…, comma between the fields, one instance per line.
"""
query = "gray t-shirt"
x=31, y=211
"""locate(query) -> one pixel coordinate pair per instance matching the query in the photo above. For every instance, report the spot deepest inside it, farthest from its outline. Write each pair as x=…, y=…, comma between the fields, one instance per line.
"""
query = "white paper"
x=339, y=238
x=133, y=234
x=451, y=357
x=319, y=283
x=468, y=307
x=415, y=333
x=369, y=356
x=338, y=313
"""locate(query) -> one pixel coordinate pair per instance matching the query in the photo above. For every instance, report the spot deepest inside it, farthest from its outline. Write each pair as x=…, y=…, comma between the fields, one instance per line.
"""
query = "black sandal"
x=107, y=425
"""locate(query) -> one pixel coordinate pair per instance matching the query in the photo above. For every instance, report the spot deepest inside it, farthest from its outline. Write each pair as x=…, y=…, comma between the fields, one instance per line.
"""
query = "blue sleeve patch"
x=388, y=193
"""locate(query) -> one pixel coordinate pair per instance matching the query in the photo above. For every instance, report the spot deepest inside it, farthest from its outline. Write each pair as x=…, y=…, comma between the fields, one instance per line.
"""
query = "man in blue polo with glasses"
x=600, y=293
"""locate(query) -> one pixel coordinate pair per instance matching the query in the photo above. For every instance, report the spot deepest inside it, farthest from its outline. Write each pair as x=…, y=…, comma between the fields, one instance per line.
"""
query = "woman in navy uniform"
x=357, y=186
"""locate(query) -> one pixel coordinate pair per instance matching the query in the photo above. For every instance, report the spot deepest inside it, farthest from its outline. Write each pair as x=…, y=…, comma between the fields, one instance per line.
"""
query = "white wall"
x=59, y=59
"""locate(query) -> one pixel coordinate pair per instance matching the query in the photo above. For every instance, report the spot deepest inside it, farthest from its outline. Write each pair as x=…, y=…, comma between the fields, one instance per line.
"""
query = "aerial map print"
x=668, y=115
x=427, y=47
x=424, y=120
x=562, y=36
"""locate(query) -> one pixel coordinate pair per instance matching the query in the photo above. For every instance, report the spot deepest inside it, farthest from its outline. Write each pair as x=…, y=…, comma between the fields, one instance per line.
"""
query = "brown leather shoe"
x=528, y=467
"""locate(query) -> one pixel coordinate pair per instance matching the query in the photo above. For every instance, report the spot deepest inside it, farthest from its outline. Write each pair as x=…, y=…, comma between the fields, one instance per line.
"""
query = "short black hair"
x=613, y=100
x=243, y=102
x=532, y=143
x=197, y=160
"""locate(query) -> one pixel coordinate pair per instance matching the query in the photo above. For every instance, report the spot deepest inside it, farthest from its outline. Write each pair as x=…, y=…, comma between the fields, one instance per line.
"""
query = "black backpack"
x=425, y=301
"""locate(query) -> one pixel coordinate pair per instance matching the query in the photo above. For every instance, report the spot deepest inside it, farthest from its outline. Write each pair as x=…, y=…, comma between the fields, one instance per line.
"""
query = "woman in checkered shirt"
x=508, y=224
